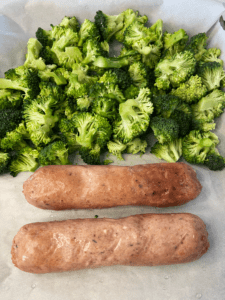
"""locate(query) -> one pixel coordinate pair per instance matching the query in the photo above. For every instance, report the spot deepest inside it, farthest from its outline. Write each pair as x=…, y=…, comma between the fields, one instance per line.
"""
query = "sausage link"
x=139, y=240
x=81, y=187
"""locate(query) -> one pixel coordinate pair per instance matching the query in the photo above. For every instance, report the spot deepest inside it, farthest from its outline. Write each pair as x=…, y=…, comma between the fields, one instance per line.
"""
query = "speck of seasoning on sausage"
x=94, y=241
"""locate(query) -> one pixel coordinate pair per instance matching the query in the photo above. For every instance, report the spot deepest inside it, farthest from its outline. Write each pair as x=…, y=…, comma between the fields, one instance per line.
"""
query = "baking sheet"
x=202, y=279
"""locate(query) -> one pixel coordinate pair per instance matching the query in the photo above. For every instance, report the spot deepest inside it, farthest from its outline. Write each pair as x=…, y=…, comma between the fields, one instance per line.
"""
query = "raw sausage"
x=79, y=187
x=139, y=240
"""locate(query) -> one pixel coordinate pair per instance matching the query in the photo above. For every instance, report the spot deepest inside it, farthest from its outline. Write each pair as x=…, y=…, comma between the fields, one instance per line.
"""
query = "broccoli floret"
x=214, y=161
x=32, y=57
x=92, y=49
x=82, y=72
x=131, y=55
x=22, y=79
x=174, y=71
x=13, y=140
x=51, y=73
x=67, y=58
x=164, y=105
x=44, y=37
x=212, y=75
x=70, y=139
x=75, y=88
x=108, y=25
x=135, y=32
x=196, y=146
x=55, y=153
x=151, y=55
x=40, y=119
x=91, y=130
x=5, y=160
x=91, y=156
x=83, y=103
x=170, y=152
x=110, y=62
x=136, y=145
x=183, y=120
x=174, y=42
x=117, y=148
x=66, y=38
x=202, y=125
x=51, y=90
x=26, y=160
x=105, y=107
x=116, y=76
x=211, y=55
x=110, y=91
x=197, y=45
x=134, y=117
x=165, y=130
x=131, y=92
x=70, y=22
x=139, y=74
x=209, y=107
x=191, y=91
x=48, y=56
x=66, y=125
x=88, y=30
x=9, y=120
x=10, y=98
x=129, y=17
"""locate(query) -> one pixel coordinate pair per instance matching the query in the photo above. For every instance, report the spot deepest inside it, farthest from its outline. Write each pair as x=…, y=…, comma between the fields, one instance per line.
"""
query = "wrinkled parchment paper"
x=202, y=279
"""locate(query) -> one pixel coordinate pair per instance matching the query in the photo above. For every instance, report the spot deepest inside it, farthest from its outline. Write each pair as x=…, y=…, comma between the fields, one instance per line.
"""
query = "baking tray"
x=202, y=279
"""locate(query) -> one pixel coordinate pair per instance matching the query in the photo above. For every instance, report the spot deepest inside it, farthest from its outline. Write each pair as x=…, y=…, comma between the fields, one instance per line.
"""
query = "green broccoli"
x=92, y=50
x=209, y=107
x=131, y=92
x=164, y=105
x=131, y=55
x=55, y=153
x=70, y=22
x=211, y=55
x=165, y=130
x=75, y=88
x=9, y=120
x=40, y=119
x=5, y=160
x=170, y=152
x=117, y=148
x=136, y=145
x=129, y=17
x=117, y=76
x=212, y=75
x=105, y=107
x=214, y=161
x=108, y=25
x=22, y=79
x=26, y=160
x=10, y=98
x=175, y=70
x=174, y=42
x=197, y=45
x=51, y=73
x=134, y=117
x=88, y=30
x=190, y=91
x=197, y=145
x=91, y=156
x=139, y=74
x=33, y=59
x=83, y=103
x=110, y=91
x=110, y=62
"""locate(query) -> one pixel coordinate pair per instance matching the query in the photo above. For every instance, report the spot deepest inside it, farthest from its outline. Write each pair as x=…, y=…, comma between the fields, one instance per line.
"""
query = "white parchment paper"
x=202, y=279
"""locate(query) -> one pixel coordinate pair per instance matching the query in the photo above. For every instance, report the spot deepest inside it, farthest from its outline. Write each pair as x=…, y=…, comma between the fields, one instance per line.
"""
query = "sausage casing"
x=80, y=187
x=139, y=240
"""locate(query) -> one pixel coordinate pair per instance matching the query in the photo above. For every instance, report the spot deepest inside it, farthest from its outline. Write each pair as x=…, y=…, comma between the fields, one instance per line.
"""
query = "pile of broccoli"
x=71, y=95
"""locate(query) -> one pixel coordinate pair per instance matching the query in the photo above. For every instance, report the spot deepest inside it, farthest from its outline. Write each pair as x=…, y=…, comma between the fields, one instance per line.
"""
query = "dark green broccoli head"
x=55, y=153
x=44, y=37
x=75, y=88
x=117, y=76
x=9, y=120
x=131, y=92
x=91, y=156
x=108, y=25
x=5, y=160
x=214, y=161
x=183, y=120
x=165, y=130
x=197, y=45
x=92, y=49
x=10, y=98
x=66, y=125
x=212, y=75
x=196, y=146
x=139, y=74
x=165, y=105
